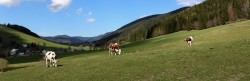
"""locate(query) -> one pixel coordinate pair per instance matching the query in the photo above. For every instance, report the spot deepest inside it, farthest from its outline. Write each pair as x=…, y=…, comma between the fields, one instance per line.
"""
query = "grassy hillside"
x=8, y=34
x=144, y=23
x=208, y=14
x=218, y=54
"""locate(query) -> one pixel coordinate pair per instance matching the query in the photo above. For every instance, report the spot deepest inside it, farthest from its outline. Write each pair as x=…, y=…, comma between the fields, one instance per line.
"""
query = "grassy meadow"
x=218, y=54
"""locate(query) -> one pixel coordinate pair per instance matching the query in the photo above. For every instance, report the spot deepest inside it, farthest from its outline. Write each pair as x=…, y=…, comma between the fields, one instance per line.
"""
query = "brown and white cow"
x=114, y=47
x=189, y=40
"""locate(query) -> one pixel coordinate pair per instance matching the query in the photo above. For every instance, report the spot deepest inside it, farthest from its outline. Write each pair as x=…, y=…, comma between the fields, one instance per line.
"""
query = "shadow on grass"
x=24, y=59
x=54, y=66
x=59, y=65
x=39, y=57
x=63, y=55
x=14, y=68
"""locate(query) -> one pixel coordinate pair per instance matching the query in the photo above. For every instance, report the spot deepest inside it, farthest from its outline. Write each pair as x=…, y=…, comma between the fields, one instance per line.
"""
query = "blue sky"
x=82, y=17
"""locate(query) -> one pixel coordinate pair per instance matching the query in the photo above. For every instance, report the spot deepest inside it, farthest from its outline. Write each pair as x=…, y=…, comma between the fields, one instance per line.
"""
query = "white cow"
x=51, y=57
x=189, y=40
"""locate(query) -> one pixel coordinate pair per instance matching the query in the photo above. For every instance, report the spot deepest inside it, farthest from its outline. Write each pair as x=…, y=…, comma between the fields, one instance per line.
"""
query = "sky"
x=85, y=18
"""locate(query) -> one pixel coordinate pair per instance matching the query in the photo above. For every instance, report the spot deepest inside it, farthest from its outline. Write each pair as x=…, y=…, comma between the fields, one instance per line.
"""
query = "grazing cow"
x=51, y=57
x=189, y=40
x=114, y=47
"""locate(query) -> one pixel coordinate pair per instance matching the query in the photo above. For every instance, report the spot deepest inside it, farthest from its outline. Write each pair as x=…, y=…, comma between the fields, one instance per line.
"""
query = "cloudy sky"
x=82, y=17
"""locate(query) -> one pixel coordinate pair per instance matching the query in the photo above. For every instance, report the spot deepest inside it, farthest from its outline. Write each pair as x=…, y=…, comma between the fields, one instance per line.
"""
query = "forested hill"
x=142, y=23
x=21, y=29
x=208, y=14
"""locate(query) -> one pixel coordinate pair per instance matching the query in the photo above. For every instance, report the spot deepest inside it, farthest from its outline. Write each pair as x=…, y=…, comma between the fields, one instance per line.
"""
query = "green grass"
x=217, y=54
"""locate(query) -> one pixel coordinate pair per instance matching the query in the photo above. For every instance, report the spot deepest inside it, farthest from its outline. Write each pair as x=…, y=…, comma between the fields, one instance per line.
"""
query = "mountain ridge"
x=74, y=40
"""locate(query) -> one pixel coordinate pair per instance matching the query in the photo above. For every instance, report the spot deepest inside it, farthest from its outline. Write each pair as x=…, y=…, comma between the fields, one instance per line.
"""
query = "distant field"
x=218, y=54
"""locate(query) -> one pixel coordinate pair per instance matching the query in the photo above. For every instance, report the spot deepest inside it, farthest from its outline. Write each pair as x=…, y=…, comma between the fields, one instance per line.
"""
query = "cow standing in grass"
x=114, y=47
x=189, y=40
x=51, y=57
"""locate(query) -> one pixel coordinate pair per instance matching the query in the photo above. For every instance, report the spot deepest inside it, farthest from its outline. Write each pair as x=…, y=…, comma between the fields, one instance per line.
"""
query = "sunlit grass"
x=220, y=53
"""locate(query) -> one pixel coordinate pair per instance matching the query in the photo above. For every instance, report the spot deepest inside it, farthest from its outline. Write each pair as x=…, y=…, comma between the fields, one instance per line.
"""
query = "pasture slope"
x=10, y=34
x=218, y=54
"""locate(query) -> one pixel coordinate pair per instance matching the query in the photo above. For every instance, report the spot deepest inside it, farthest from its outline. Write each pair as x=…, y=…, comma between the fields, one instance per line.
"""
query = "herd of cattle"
x=50, y=56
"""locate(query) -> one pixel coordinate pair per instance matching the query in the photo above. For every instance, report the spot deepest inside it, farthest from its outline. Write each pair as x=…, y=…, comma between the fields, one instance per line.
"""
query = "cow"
x=189, y=40
x=51, y=57
x=114, y=47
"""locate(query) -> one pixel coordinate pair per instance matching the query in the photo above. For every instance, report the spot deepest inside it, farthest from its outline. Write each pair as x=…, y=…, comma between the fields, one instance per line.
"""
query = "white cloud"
x=58, y=5
x=79, y=11
x=91, y=20
x=35, y=0
x=90, y=13
x=10, y=3
x=188, y=2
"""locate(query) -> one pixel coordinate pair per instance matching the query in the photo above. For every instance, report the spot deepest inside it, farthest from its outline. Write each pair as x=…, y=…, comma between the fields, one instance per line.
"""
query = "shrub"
x=3, y=64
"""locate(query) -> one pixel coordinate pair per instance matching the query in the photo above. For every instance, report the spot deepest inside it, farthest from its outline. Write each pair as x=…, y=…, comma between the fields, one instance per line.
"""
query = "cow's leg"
x=46, y=60
x=189, y=43
x=119, y=51
x=50, y=62
x=53, y=63
x=114, y=51
x=110, y=51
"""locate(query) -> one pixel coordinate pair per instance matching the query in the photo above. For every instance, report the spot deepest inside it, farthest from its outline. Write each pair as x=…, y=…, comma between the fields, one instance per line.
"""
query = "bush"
x=3, y=64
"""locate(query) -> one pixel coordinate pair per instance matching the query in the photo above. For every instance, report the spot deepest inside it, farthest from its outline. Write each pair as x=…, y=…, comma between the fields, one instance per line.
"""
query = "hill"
x=10, y=38
x=205, y=15
x=74, y=40
x=21, y=29
x=64, y=39
x=217, y=54
x=135, y=26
